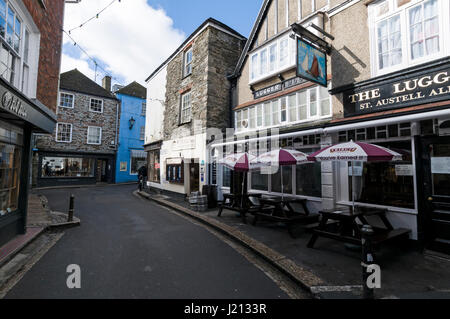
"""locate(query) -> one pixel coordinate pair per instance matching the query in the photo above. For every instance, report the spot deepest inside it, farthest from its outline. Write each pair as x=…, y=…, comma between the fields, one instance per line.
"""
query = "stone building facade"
x=196, y=98
x=75, y=112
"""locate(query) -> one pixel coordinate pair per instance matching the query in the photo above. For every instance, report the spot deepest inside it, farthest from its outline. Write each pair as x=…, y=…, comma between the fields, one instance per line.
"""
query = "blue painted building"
x=130, y=154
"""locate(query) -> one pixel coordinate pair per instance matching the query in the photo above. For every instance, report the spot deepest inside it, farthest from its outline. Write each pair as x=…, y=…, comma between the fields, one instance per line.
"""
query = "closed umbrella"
x=355, y=152
x=281, y=157
x=240, y=162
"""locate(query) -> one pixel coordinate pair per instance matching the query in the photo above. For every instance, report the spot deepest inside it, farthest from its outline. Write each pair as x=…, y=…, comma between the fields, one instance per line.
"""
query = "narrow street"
x=127, y=247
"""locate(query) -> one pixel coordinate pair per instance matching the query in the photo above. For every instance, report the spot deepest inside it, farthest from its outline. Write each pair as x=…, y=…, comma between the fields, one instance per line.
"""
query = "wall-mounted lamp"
x=132, y=121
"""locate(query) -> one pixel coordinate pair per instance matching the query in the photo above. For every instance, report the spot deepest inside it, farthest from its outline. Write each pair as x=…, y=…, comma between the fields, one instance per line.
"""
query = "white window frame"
x=60, y=100
x=142, y=133
x=57, y=131
x=403, y=11
x=183, y=119
x=100, y=135
x=255, y=71
x=187, y=64
x=90, y=105
x=277, y=101
x=144, y=108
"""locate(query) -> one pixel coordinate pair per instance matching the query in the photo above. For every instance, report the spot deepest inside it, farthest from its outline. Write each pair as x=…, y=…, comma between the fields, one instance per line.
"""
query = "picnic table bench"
x=350, y=230
x=282, y=210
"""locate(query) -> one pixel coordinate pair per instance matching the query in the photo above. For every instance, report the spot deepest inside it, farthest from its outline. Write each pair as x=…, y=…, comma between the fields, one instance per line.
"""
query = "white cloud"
x=131, y=37
x=69, y=63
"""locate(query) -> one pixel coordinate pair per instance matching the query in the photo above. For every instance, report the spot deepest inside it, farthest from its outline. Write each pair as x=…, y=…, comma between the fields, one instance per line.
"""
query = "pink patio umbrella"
x=281, y=157
x=355, y=152
x=240, y=162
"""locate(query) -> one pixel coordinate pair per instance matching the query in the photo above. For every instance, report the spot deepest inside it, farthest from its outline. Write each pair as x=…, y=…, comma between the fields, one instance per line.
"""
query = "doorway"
x=194, y=177
x=437, y=192
x=102, y=171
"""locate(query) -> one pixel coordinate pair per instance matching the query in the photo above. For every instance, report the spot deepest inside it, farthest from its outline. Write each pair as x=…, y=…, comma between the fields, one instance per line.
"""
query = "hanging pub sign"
x=429, y=86
x=311, y=63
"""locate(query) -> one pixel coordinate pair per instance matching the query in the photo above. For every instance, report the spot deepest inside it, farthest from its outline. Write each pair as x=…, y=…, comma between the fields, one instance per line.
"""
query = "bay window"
x=306, y=105
x=276, y=57
x=405, y=33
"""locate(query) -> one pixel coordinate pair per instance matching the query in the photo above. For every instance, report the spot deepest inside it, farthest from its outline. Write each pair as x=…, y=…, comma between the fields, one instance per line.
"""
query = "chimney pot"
x=106, y=83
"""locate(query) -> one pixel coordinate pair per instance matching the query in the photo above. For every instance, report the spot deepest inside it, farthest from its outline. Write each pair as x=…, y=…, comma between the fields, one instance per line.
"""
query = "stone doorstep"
x=301, y=276
x=14, y=246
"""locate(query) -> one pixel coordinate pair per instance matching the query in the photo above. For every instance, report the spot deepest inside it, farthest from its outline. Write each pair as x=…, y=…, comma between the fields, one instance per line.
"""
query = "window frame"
x=183, y=120
x=403, y=11
x=90, y=105
x=186, y=63
x=57, y=131
x=100, y=135
x=60, y=99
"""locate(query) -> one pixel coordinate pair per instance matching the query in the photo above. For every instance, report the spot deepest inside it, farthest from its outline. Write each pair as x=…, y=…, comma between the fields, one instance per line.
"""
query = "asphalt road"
x=132, y=248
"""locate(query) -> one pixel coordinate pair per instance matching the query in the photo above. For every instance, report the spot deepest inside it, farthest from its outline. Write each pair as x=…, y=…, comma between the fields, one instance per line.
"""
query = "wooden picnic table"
x=280, y=209
x=350, y=224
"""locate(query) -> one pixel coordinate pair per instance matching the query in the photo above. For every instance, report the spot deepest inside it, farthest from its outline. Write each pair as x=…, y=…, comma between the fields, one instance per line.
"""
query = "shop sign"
x=398, y=93
x=311, y=63
x=267, y=91
x=13, y=104
x=404, y=170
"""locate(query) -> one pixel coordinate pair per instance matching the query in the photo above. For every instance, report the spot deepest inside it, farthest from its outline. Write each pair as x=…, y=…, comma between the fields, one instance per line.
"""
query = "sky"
x=131, y=38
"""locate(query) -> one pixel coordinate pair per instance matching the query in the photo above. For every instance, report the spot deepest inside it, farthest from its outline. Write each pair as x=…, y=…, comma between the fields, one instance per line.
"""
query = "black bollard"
x=71, y=208
x=367, y=259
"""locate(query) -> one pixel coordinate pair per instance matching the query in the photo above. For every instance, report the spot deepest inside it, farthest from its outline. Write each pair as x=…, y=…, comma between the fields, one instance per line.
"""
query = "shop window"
x=260, y=181
x=137, y=160
x=10, y=163
x=175, y=173
x=385, y=183
x=309, y=180
x=60, y=167
x=287, y=180
x=154, y=167
x=226, y=179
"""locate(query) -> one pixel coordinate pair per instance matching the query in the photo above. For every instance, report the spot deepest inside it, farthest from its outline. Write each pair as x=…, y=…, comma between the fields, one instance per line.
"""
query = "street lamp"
x=132, y=121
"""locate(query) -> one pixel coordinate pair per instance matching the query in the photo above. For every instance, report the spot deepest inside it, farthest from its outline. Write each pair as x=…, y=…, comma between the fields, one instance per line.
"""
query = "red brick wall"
x=49, y=20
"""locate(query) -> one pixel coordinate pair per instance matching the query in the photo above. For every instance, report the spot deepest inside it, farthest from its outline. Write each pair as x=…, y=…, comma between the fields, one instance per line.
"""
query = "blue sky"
x=189, y=14
x=132, y=38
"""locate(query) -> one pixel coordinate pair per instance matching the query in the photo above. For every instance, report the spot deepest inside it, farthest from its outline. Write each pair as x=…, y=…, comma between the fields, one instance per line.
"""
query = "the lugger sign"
x=398, y=93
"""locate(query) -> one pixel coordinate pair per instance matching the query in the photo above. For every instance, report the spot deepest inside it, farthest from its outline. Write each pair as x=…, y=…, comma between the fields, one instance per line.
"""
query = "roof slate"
x=76, y=81
x=134, y=89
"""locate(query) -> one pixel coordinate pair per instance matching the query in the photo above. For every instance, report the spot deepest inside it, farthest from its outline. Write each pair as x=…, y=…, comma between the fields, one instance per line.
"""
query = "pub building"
x=397, y=97
x=20, y=117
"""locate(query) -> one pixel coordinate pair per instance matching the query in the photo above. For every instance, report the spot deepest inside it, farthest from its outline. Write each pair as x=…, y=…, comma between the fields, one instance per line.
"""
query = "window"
x=137, y=160
x=10, y=163
x=175, y=173
x=381, y=183
x=306, y=105
x=142, y=133
x=287, y=180
x=186, y=109
x=14, y=48
x=154, y=166
x=94, y=135
x=57, y=167
x=309, y=177
x=66, y=100
x=226, y=179
x=278, y=56
x=96, y=106
x=64, y=133
x=407, y=32
x=144, y=108
x=260, y=181
x=187, y=70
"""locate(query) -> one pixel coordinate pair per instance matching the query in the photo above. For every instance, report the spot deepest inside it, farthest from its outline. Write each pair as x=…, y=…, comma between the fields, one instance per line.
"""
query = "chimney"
x=106, y=83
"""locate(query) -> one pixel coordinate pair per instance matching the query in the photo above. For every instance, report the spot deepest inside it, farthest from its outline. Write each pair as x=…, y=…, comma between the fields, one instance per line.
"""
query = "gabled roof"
x=207, y=21
x=78, y=82
x=134, y=89
x=262, y=13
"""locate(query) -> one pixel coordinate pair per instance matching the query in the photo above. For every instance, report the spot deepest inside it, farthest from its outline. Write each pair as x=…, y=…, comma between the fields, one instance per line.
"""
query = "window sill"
x=186, y=76
x=392, y=209
x=185, y=123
